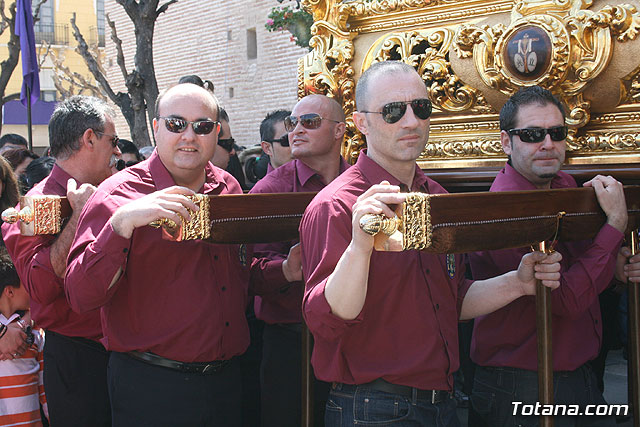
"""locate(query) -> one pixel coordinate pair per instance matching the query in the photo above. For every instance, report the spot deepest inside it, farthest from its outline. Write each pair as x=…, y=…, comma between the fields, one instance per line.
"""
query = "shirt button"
x=224, y=288
x=215, y=257
x=437, y=306
x=426, y=271
x=226, y=323
x=125, y=250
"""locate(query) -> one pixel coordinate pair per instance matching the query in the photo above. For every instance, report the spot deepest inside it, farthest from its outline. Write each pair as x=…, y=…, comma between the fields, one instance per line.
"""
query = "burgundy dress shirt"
x=507, y=337
x=181, y=300
x=31, y=256
x=407, y=331
x=277, y=300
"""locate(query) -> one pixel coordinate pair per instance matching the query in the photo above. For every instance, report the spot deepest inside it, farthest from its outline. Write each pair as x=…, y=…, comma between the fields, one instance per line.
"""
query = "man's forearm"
x=346, y=288
x=60, y=248
x=487, y=296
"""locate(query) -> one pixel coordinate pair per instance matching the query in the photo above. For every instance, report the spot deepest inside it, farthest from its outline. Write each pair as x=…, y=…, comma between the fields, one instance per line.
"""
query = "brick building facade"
x=213, y=39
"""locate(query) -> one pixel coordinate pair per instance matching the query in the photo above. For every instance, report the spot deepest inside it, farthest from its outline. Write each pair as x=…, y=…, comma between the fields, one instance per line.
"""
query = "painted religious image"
x=528, y=53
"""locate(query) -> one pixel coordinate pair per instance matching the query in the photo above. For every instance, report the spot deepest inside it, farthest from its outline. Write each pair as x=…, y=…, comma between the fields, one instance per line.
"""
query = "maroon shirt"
x=279, y=301
x=507, y=337
x=31, y=256
x=407, y=332
x=181, y=300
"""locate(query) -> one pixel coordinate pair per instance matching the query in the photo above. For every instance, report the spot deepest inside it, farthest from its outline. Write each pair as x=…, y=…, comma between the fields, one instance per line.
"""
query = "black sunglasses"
x=533, y=135
x=227, y=143
x=308, y=121
x=200, y=127
x=394, y=111
x=114, y=138
x=283, y=140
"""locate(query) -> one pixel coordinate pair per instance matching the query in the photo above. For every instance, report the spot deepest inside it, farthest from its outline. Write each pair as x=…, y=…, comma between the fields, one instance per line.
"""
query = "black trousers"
x=148, y=395
x=75, y=381
x=281, y=380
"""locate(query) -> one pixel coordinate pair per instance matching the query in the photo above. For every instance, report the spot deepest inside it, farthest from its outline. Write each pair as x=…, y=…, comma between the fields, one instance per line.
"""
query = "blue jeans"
x=495, y=390
x=356, y=405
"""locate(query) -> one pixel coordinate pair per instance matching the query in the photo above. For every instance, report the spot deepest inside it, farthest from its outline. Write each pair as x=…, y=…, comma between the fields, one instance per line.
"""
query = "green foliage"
x=296, y=21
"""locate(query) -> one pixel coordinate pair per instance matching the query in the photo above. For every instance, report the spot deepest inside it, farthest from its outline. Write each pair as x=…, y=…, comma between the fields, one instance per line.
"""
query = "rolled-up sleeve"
x=31, y=256
x=98, y=255
x=325, y=233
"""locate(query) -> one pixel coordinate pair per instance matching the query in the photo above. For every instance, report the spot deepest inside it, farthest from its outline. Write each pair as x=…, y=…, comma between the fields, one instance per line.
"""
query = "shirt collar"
x=163, y=179
x=375, y=173
x=60, y=176
x=305, y=173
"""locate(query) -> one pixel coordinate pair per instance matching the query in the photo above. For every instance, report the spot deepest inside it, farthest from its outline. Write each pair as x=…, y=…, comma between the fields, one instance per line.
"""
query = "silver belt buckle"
x=433, y=397
x=206, y=368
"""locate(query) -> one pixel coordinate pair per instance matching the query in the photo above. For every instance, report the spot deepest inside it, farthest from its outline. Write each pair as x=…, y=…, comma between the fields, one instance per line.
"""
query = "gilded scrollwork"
x=462, y=148
x=574, y=46
x=607, y=142
x=327, y=70
x=416, y=222
x=428, y=53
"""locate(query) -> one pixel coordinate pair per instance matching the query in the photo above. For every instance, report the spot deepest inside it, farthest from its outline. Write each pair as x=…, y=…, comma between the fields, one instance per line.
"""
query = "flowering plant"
x=297, y=21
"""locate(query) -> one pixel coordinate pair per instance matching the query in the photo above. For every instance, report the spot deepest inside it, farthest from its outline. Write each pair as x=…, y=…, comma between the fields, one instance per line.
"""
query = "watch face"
x=528, y=53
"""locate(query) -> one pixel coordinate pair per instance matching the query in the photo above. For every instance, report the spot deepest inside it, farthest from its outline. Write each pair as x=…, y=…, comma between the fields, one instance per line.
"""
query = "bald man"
x=316, y=129
x=172, y=313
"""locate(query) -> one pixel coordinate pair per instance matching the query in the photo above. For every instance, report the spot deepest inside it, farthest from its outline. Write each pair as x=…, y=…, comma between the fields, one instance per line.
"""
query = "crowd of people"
x=107, y=323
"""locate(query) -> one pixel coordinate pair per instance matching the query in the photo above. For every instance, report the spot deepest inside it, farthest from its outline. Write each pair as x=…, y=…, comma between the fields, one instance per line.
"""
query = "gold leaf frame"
x=350, y=35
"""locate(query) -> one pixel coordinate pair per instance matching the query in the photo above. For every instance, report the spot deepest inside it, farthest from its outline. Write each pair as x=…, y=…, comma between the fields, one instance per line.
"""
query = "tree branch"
x=5, y=22
x=118, y=43
x=11, y=97
x=164, y=7
x=36, y=12
x=92, y=63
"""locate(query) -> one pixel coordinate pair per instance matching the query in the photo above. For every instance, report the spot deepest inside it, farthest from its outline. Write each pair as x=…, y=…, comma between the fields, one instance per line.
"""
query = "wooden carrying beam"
x=233, y=218
x=465, y=222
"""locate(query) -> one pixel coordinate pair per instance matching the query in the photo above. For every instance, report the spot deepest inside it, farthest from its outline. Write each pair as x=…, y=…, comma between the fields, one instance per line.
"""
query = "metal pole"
x=634, y=343
x=545, y=350
x=307, y=378
x=30, y=139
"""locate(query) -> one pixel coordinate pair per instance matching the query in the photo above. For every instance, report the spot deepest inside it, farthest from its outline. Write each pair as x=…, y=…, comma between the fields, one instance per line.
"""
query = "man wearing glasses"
x=83, y=141
x=385, y=323
x=275, y=139
x=225, y=148
x=172, y=313
x=533, y=134
x=315, y=129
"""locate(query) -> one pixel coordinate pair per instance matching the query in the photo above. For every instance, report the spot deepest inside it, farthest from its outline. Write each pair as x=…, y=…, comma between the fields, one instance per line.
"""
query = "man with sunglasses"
x=315, y=129
x=533, y=135
x=275, y=139
x=172, y=313
x=225, y=149
x=83, y=140
x=385, y=323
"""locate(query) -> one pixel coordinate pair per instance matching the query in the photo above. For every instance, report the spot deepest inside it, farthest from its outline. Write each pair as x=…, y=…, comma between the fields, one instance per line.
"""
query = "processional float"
x=472, y=55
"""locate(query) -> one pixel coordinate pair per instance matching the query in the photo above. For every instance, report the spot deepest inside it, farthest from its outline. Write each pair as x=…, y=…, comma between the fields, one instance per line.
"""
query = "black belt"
x=433, y=396
x=190, y=368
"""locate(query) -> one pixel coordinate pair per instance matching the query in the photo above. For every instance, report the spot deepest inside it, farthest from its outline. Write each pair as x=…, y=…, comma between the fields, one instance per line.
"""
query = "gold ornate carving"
x=416, y=222
x=412, y=230
x=428, y=53
x=464, y=148
x=607, y=142
x=327, y=70
x=199, y=227
x=579, y=49
x=46, y=215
